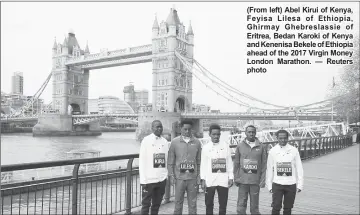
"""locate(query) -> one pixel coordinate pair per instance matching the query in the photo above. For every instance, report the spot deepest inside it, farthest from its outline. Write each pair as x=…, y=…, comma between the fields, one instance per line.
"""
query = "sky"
x=28, y=31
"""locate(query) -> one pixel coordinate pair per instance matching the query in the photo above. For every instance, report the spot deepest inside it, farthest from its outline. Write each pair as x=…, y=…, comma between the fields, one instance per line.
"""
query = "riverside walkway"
x=331, y=166
x=331, y=186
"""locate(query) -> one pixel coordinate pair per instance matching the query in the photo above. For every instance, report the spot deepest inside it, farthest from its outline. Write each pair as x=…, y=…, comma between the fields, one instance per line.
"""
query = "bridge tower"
x=70, y=83
x=172, y=83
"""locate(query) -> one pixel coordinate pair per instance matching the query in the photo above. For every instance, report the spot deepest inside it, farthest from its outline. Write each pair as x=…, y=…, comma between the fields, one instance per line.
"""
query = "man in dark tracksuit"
x=184, y=168
x=249, y=171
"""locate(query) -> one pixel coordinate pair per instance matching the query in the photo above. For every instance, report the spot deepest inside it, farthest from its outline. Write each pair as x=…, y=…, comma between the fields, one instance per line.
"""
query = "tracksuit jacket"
x=250, y=163
x=182, y=153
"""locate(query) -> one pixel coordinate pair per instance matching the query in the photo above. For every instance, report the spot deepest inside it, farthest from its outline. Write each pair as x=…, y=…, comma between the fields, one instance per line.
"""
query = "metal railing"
x=104, y=192
x=108, y=192
x=313, y=147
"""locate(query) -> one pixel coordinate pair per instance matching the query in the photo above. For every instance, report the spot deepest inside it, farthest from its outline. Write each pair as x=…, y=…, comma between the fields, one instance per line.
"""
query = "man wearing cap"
x=152, y=168
x=184, y=167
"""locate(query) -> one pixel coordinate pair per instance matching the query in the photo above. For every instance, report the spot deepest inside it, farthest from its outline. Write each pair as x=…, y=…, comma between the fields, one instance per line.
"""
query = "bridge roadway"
x=199, y=115
x=331, y=186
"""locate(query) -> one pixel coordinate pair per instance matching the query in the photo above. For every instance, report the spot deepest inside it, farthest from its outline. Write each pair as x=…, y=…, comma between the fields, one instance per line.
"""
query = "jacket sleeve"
x=142, y=162
x=269, y=171
x=230, y=169
x=236, y=160
x=198, y=157
x=299, y=171
x=171, y=159
x=263, y=163
x=203, y=164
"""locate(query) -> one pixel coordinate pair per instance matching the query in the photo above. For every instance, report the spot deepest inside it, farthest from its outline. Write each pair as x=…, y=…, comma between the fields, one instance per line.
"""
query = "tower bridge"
x=172, y=56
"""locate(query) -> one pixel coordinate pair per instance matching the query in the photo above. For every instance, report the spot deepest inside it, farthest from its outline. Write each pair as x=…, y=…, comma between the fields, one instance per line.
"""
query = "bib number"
x=187, y=167
x=218, y=165
x=159, y=160
x=284, y=169
x=250, y=166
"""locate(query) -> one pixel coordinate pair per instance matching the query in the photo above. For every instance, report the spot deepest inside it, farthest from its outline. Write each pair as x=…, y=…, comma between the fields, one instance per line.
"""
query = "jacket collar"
x=182, y=139
x=257, y=142
x=155, y=137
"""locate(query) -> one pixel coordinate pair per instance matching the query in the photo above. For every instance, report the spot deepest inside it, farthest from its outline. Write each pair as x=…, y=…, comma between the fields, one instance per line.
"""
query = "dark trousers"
x=191, y=188
x=152, y=195
x=278, y=192
x=223, y=193
x=245, y=190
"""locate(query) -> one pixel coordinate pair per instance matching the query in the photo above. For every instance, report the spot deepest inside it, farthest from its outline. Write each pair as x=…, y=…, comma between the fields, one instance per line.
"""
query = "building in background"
x=137, y=99
x=108, y=105
x=15, y=102
x=93, y=106
x=17, y=83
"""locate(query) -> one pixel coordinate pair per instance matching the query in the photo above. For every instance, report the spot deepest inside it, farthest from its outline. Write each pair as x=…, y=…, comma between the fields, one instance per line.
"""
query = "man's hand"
x=262, y=184
x=298, y=190
x=198, y=180
x=203, y=185
x=237, y=184
x=230, y=183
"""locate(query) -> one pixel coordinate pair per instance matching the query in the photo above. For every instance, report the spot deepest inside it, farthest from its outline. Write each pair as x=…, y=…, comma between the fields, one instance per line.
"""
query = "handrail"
x=312, y=147
x=24, y=166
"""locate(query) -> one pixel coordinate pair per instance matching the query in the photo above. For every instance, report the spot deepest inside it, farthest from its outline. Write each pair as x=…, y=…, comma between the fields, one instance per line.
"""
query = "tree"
x=347, y=87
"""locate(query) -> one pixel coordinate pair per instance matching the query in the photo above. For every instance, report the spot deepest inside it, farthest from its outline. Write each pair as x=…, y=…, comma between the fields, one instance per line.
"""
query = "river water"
x=24, y=148
x=99, y=196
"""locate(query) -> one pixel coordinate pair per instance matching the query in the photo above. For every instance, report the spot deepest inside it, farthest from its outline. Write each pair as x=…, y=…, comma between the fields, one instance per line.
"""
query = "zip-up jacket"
x=250, y=163
x=284, y=167
x=216, y=164
x=152, y=164
x=184, y=158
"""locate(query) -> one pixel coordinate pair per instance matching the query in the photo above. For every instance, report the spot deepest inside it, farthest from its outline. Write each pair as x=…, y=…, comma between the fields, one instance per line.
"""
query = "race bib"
x=218, y=165
x=284, y=169
x=187, y=167
x=250, y=166
x=159, y=160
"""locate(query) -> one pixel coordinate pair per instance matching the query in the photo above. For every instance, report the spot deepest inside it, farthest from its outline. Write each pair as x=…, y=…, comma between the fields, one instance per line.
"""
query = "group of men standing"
x=189, y=165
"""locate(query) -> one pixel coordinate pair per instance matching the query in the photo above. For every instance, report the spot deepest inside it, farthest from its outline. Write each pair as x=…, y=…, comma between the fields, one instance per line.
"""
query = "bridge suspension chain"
x=224, y=93
x=225, y=88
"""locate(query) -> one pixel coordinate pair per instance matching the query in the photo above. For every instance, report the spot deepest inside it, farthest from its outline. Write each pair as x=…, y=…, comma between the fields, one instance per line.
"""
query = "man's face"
x=250, y=134
x=282, y=138
x=215, y=135
x=186, y=130
x=157, y=128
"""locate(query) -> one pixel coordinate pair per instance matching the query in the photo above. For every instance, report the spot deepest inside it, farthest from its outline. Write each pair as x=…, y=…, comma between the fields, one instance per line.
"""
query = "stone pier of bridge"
x=62, y=125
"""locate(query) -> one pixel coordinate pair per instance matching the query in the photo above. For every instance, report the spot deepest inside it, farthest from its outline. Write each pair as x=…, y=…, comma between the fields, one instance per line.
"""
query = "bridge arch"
x=74, y=108
x=181, y=104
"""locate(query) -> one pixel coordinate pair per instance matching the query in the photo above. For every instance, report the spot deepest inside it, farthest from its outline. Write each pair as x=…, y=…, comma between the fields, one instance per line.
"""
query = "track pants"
x=278, y=192
x=191, y=188
x=152, y=195
x=223, y=193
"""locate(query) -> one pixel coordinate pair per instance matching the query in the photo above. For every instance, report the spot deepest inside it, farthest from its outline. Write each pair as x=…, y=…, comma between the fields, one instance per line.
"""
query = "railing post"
x=167, y=191
x=128, y=186
x=305, y=150
x=75, y=178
